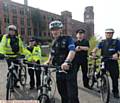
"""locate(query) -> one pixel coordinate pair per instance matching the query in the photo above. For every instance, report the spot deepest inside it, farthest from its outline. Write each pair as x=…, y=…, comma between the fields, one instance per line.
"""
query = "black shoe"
x=116, y=95
x=31, y=88
x=38, y=87
x=17, y=86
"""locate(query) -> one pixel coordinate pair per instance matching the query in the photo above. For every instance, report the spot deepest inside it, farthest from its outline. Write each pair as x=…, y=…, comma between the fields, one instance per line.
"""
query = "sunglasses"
x=55, y=24
x=12, y=29
x=31, y=40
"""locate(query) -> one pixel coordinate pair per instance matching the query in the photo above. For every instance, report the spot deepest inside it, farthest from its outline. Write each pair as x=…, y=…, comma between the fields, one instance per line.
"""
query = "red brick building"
x=32, y=21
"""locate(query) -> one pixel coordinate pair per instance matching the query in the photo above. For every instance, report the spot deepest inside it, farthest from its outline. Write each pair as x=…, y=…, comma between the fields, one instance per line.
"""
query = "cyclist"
x=12, y=45
x=82, y=46
x=62, y=54
x=34, y=56
x=109, y=48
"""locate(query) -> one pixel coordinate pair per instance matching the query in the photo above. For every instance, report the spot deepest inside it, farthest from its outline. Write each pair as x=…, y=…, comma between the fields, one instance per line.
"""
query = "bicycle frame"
x=44, y=90
x=13, y=76
x=102, y=81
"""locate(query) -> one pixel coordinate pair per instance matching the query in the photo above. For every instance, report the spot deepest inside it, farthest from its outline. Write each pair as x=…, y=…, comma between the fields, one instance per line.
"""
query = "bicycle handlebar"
x=57, y=68
x=96, y=57
x=101, y=57
x=12, y=57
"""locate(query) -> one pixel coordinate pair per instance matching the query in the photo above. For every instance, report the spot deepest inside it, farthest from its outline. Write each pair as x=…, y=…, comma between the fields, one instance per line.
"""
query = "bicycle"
x=45, y=94
x=100, y=77
x=92, y=71
x=13, y=76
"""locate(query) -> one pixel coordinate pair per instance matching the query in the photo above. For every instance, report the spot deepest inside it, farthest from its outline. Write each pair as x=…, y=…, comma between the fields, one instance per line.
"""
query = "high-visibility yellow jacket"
x=5, y=47
x=35, y=55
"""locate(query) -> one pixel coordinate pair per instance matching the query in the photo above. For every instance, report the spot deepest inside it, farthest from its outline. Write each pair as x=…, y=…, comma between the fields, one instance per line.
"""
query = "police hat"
x=109, y=30
x=80, y=31
x=32, y=39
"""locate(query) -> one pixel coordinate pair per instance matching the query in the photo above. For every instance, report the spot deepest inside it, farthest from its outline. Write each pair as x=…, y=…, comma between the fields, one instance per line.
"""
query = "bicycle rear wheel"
x=23, y=76
x=105, y=89
x=9, y=87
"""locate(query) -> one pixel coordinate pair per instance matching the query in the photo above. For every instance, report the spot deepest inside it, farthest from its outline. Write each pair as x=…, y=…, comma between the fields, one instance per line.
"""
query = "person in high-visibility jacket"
x=34, y=57
x=11, y=44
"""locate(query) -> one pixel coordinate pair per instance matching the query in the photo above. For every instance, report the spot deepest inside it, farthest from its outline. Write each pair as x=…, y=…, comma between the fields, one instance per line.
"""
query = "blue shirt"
x=100, y=45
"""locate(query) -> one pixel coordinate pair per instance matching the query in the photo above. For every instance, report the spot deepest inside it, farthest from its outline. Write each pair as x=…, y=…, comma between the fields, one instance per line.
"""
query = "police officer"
x=12, y=45
x=82, y=46
x=109, y=49
x=62, y=54
x=34, y=57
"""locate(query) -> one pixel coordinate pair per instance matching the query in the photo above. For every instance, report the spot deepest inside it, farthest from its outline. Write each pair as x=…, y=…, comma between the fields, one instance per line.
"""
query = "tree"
x=93, y=42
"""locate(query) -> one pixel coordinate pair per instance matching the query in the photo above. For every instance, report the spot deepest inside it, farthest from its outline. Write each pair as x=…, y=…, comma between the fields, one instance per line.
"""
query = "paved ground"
x=85, y=95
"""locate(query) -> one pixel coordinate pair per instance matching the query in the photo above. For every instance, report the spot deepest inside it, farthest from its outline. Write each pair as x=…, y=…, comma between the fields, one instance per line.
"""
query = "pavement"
x=85, y=95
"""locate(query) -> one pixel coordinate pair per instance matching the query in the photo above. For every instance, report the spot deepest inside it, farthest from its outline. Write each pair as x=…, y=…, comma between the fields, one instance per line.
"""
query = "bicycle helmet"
x=55, y=25
x=12, y=27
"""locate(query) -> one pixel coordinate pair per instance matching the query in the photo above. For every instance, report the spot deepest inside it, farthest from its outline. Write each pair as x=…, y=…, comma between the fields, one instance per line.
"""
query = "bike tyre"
x=105, y=89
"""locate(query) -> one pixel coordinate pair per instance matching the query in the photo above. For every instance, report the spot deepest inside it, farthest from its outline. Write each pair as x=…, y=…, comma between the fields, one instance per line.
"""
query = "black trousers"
x=34, y=73
x=84, y=67
x=67, y=87
x=113, y=68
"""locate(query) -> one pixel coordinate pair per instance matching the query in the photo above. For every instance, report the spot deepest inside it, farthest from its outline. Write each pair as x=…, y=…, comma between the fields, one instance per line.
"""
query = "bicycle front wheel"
x=44, y=99
x=105, y=89
x=9, y=87
x=91, y=77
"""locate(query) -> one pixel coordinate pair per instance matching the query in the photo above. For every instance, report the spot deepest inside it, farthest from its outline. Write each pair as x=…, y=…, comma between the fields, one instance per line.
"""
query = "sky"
x=106, y=12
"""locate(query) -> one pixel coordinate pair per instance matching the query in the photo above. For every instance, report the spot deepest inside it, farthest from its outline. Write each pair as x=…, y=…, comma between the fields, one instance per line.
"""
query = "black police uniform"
x=81, y=60
x=66, y=83
x=108, y=48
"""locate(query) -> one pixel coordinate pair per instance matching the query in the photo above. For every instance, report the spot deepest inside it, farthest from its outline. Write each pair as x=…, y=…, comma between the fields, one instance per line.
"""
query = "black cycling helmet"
x=55, y=25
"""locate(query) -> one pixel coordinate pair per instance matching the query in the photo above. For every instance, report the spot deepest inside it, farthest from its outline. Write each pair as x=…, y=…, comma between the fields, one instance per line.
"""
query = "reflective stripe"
x=71, y=46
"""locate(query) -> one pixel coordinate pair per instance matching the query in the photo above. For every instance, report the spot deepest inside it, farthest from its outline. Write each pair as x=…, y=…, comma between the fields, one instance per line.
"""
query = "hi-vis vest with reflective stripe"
x=5, y=47
x=35, y=55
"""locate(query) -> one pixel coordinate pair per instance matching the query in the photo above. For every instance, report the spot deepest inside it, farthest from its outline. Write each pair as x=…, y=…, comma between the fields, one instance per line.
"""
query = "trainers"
x=116, y=95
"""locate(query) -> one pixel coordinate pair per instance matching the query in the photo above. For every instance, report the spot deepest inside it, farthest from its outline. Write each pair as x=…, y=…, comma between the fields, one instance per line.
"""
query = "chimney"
x=26, y=2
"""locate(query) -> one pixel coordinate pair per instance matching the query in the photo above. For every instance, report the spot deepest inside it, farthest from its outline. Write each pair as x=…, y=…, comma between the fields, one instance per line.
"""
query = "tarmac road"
x=85, y=95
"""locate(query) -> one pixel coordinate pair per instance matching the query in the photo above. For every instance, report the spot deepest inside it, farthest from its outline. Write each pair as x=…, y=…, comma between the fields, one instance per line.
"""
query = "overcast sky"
x=106, y=11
